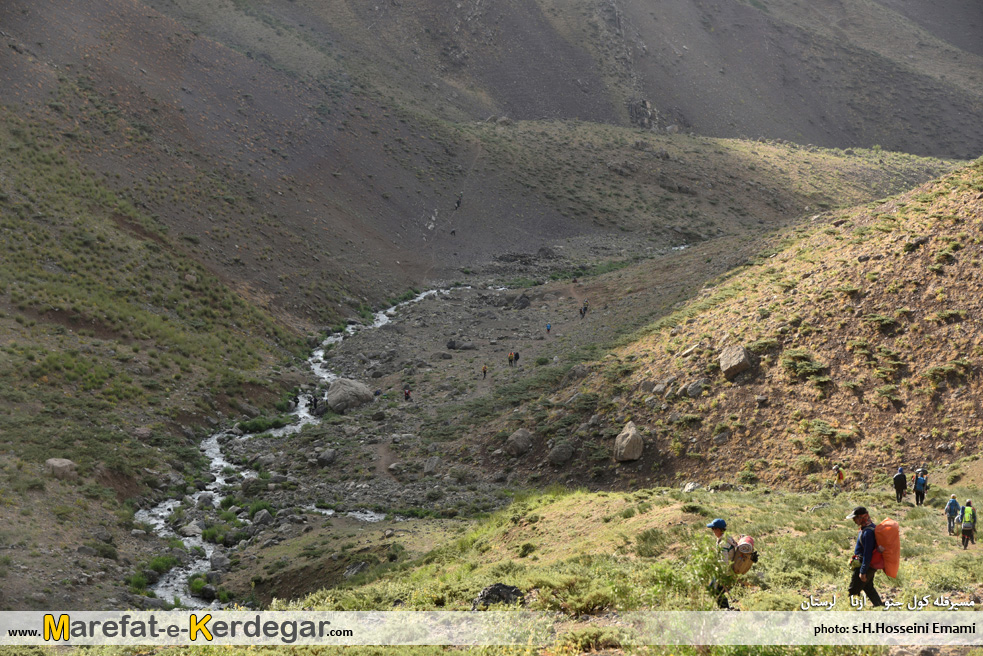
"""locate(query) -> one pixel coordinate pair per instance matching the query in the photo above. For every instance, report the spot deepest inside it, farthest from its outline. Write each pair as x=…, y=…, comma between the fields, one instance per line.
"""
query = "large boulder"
x=522, y=302
x=431, y=466
x=695, y=389
x=220, y=562
x=263, y=518
x=561, y=454
x=326, y=457
x=345, y=394
x=62, y=468
x=629, y=444
x=498, y=593
x=734, y=360
x=190, y=531
x=577, y=372
x=519, y=442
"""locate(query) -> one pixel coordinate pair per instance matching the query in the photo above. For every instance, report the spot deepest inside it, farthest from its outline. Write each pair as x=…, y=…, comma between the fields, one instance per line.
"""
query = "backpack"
x=887, y=555
x=920, y=484
x=744, y=555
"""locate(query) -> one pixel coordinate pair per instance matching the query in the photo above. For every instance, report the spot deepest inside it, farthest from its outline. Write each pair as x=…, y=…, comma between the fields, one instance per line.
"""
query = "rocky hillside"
x=854, y=340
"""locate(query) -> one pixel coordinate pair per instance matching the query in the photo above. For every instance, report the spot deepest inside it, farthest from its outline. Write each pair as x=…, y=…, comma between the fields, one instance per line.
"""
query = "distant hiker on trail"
x=460, y=197
x=548, y=326
x=516, y=358
x=951, y=511
x=727, y=549
x=863, y=555
x=920, y=485
x=900, y=484
x=406, y=394
x=484, y=371
x=968, y=519
x=511, y=358
x=837, y=478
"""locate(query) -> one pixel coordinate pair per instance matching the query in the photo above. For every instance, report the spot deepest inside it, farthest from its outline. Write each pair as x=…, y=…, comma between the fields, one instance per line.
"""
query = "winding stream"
x=173, y=584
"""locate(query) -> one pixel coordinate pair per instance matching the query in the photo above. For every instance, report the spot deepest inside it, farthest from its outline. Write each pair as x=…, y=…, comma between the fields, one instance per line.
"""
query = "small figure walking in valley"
x=900, y=484
x=406, y=394
x=511, y=358
x=862, y=579
x=952, y=511
x=548, y=326
x=484, y=371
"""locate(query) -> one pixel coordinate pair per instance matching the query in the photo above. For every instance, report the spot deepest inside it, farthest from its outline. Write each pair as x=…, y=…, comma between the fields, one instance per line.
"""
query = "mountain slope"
x=866, y=345
x=825, y=73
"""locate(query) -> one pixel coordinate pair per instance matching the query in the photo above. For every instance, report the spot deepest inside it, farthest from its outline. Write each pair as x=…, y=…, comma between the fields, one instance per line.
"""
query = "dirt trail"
x=384, y=458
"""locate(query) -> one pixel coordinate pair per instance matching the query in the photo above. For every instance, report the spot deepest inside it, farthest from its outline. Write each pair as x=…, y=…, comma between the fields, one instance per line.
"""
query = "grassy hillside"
x=579, y=552
x=110, y=325
x=866, y=343
x=585, y=554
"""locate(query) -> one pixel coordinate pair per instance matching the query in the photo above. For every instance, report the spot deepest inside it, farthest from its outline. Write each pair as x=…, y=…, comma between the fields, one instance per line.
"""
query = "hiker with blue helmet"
x=727, y=548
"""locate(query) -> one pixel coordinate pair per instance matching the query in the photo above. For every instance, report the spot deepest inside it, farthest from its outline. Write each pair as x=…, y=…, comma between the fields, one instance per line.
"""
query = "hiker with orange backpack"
x=862, y=563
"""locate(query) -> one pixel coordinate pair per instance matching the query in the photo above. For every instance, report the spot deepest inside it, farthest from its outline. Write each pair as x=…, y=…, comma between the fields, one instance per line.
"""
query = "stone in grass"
x=735, y=360
x=519, y=442
x=629, y=444
x=497, y=593
x=61, y=468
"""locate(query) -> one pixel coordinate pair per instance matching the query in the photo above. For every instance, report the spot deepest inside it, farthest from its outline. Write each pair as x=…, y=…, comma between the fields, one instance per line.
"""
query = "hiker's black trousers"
x=900, y=494
x=856, y=585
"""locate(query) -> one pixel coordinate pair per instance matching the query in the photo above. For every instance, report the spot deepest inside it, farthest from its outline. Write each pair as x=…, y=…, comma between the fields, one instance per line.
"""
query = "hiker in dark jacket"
x=920, y=485
x=900, y=484
x=863, y=574
x=967, y=519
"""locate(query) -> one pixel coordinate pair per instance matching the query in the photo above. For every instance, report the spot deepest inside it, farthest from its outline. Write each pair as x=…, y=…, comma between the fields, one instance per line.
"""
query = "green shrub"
x=801, y=364
x=256, y=506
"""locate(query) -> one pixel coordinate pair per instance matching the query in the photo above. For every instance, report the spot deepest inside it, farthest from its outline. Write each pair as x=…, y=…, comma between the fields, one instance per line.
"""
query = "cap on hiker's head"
x=857, y=512
x=718, y=523
x=968, y=502
x=953, y=496
x=900, y=470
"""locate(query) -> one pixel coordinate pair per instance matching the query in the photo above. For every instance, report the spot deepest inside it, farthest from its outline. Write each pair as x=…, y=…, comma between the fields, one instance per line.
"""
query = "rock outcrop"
x=629, y=444
x=345, y=394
